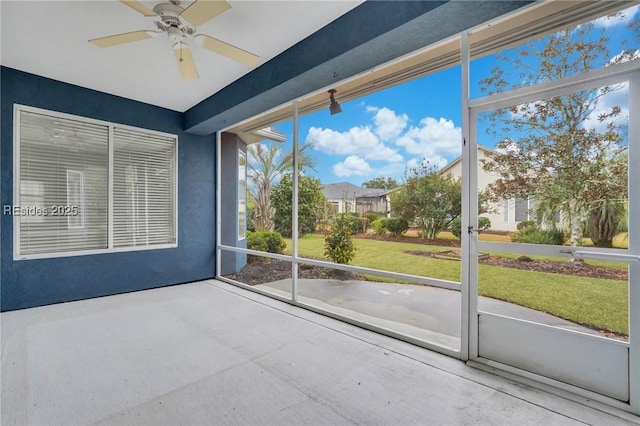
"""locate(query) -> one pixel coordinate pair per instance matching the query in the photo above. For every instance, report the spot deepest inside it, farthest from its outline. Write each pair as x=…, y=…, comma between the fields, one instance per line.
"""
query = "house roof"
x=336, y=191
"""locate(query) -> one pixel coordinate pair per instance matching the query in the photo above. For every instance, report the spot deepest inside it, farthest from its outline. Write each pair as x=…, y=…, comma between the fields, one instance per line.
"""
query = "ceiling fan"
x=180, y=24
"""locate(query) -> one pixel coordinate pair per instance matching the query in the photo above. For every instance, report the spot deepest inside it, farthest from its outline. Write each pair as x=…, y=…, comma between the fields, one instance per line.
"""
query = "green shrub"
x=526, y=224
x=456, y=227
x=535, y=235
x=379, y=226
x=396, y=225
x=372, y=216
x=269, y=241
x=484, y=223
x=338, y=245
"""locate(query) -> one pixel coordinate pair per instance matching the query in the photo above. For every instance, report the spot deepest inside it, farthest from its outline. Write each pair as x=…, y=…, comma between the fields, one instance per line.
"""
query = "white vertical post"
x=294, y=210
x=473, y=237
x=466, y=198
x=146, y=203
x=218, y=201
x=17, y=181
x=634, y=241
x=110, y=147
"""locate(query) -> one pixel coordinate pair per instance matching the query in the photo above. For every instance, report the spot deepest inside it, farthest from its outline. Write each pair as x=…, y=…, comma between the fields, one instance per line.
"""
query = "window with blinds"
x=65, y=202
x=143, y=188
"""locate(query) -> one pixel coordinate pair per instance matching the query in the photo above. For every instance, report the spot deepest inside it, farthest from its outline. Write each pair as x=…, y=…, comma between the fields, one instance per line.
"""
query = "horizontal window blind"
x=71, y=171
x=143, y=189
x=63, y=184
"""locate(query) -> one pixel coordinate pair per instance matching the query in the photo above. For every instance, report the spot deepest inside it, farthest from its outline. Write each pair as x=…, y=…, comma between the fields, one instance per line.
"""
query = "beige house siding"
x=502, y=214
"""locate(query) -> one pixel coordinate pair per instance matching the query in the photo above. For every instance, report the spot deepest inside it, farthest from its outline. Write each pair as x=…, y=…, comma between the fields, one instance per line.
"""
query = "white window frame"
x=17, y=110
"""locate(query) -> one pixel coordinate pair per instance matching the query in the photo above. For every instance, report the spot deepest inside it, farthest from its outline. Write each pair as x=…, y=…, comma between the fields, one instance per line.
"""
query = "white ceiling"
x=49, y=38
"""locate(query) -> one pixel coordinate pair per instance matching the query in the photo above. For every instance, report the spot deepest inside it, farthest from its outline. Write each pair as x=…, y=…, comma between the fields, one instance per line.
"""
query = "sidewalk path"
x=433, y=309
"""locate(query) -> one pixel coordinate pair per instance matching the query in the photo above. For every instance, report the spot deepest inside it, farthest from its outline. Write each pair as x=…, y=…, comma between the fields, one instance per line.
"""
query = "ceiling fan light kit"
x=180, y=26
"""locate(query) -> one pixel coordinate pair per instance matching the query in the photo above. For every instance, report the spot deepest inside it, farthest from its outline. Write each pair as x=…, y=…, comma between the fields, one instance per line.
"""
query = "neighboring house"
x=349, y=198
x=505, y=215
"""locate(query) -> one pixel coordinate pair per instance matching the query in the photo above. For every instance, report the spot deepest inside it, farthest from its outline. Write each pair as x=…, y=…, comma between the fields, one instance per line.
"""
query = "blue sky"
x=383, y=133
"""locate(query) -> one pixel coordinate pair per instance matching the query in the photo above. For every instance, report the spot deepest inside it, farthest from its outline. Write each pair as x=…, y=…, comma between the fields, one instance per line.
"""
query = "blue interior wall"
x=28, y=283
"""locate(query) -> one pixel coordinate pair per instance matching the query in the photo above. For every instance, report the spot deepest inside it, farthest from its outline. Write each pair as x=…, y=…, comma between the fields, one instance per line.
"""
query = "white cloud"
x=435, y=161
x=621, y=18
x=358, y=140
x=433, y=138
x=353, y=165
x=389, y=125
x=624, y=57
x=508, y=147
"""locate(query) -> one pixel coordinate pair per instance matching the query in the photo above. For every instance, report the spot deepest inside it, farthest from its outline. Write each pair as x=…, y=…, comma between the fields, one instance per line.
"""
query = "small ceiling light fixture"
x=335, y=107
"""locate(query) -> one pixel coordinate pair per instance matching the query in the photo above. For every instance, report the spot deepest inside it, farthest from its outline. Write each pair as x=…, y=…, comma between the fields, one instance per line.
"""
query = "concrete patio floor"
x=211, y=353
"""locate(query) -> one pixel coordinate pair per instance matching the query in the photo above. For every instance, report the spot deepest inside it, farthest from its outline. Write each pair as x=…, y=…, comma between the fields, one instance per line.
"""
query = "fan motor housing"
x=176, y=28
x=176, y=34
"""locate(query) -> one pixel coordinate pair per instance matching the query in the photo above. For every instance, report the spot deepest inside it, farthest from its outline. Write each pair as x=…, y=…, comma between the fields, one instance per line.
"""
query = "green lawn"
x=597, y=302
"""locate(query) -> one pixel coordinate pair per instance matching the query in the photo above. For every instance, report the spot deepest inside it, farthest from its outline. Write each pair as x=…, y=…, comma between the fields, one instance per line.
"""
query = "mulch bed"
x=261, y=271
x=578, y=268
x=412, y=240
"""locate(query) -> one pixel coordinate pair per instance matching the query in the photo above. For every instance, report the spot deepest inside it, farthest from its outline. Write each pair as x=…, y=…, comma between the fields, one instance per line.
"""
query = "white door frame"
x=604, y=348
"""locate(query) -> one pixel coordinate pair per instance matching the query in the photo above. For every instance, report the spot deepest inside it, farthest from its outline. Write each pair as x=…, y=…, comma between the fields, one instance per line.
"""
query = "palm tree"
x=606, y=221
x=264, y=169
x=607, y=214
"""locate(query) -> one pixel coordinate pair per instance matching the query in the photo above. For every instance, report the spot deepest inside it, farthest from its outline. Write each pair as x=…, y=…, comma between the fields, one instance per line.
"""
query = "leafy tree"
x=265, y=166
x=428, y=199
x=381, y=183
x=554, y=151
x=311, y=202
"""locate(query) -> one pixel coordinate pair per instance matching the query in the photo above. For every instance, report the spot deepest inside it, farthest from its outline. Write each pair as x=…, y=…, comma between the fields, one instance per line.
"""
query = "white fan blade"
x=121, y=38
x=140, y=8
x=185, y=61
x=227, y=50
x=203, y=10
